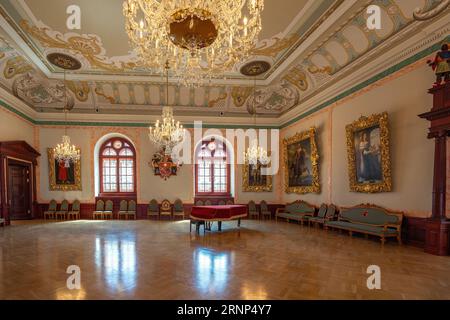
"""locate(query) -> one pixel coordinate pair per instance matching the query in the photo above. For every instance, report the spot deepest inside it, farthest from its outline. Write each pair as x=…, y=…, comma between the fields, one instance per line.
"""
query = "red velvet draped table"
x=208, y=214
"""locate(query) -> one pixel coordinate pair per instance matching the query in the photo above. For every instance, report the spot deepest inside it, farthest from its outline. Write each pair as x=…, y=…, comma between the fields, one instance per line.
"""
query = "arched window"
x=212, y=169
x=117, y=167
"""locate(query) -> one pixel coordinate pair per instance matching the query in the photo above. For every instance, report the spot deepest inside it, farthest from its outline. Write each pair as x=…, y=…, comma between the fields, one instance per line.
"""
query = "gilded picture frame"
x=301, y=163
x=64, y=177
x=254, y=181
x=368, y=151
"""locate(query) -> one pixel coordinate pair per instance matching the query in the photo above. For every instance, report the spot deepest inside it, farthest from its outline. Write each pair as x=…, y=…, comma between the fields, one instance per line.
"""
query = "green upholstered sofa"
x=299, y=211
x=370, y=220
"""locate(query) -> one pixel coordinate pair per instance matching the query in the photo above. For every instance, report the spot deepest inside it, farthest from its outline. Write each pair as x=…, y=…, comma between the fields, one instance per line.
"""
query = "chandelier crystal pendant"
x=167, y=133
x=65, y=152
x=201, y=39
x=256, y=154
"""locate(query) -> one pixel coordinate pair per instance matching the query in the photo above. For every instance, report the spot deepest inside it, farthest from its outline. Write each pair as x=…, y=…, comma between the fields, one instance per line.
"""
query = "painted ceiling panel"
x=103, y=50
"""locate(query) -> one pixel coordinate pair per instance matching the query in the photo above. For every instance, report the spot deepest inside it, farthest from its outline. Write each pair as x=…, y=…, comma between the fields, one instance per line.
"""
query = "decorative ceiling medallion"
x=255, y=68
x=192, y=31
x=64, y=61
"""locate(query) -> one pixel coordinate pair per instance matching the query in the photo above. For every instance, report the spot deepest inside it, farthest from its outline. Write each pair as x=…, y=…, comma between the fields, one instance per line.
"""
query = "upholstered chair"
x=75, y=212
x=320, y=215
x=108, y=213
x=326, y=213
x=63, y=210
x=230, y=202
x=221, y=203
x=153, y=209
x=208, y=203
x=50, y=213
x=265, y=212
x=252, y=210
x=166, y=209
x=99, y=209
x=199, y=203
x=178, y=209
x=123, y=209
x=132, y=209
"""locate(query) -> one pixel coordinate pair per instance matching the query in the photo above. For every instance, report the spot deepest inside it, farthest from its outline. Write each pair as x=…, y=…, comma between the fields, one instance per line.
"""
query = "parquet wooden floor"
x=161, y=260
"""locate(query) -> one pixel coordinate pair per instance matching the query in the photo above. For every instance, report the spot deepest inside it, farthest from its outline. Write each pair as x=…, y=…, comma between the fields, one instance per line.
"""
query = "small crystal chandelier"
x=256, y=154
x=65, y=152
x=200, y=38
x=167, y=134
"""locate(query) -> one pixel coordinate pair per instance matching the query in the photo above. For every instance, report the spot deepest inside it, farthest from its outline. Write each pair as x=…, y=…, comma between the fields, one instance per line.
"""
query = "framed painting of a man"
x=301, y=163
x=254, y=180
x=368, y=154
x=63, y=176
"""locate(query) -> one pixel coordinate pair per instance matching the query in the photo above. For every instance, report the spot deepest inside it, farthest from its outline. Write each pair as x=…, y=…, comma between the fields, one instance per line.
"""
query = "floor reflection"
x=211, y=270
x=116, y=260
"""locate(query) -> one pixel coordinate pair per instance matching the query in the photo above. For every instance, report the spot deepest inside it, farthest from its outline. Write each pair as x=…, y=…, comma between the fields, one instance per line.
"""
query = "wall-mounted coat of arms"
x=163, y=165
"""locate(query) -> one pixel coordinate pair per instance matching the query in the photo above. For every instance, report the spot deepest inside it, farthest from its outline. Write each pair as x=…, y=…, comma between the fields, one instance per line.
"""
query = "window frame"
x=117, y=158
x=227, y=193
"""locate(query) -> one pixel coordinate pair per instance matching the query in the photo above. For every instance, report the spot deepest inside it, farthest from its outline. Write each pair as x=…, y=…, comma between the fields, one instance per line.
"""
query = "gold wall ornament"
x=297, y=77
x=423, y=14
x=273, y=49
x=214, y=102
x=15, y=66
x=254, y=181
x=240, y=95
x=80, y=89
x=64, y=178
x=99, y=92
x=88, y=46
x=369, y=163
x=297, y=149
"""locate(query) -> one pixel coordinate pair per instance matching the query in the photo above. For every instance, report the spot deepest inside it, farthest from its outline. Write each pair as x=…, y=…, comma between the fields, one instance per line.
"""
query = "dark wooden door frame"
x=22, y=152
x=29, y=167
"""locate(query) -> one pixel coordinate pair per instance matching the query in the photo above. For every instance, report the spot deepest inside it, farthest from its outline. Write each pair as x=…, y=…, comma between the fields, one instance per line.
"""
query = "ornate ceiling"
x=309, y=44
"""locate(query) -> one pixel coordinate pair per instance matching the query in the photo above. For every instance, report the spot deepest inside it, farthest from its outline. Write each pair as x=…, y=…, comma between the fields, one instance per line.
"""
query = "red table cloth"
x=219, y=213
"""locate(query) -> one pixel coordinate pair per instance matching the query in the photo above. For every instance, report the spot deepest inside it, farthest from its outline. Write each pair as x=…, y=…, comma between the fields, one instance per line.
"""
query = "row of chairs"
x=263, y=211
x=104, y=210
x=209, y=203
x=166, y=209
x=63, y=213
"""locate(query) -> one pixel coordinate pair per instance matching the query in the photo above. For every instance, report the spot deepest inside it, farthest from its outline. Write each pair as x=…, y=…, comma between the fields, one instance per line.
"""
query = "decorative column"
x=437, y=228
x=3, y=188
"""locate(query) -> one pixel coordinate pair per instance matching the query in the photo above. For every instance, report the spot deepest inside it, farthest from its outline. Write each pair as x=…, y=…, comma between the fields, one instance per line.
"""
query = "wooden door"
x=19, y=191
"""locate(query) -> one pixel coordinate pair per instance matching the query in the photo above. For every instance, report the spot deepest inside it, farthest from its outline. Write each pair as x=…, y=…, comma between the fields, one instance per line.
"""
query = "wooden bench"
x=369, y=220
x=298, y=211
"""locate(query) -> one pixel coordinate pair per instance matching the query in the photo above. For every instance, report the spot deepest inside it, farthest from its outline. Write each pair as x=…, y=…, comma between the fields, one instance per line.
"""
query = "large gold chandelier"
x=201, y=39
x=167, y=133
x=255, y=154
x=65, y=152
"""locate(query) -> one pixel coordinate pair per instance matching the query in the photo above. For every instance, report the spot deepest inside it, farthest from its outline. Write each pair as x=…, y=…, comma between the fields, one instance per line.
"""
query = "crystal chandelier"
x=167, y=134
x=256, y=154
x=200, y=38
x=65, y=152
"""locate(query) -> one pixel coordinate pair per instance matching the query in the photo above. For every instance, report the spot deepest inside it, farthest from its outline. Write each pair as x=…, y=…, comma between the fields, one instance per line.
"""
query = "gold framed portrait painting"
x=301, y=163
x=64, y=176
x=254, y=180
x=369, y=163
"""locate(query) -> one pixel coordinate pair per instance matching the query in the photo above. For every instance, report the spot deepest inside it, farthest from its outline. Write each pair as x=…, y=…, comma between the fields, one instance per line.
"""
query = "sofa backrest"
x=370, y=215
x=299, y=207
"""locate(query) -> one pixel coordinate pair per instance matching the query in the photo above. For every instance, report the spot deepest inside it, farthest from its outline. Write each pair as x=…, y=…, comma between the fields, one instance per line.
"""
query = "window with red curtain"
x=212, y=169
x=117, y=167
